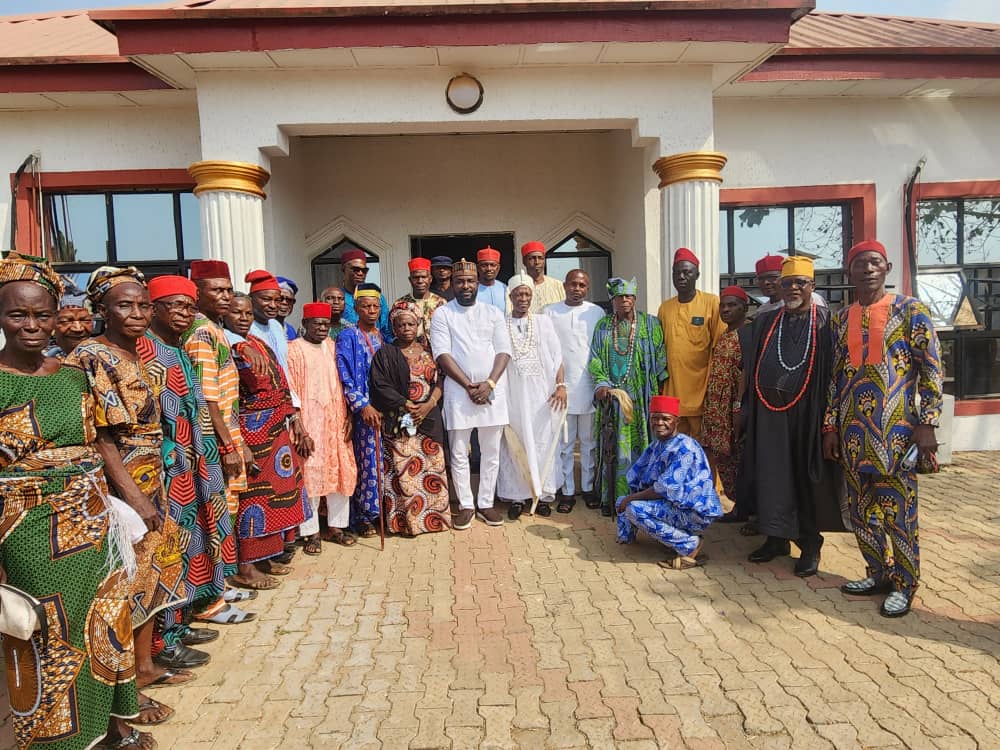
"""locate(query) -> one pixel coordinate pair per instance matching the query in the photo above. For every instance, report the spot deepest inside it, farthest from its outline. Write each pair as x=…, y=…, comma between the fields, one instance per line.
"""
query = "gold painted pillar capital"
x=233, y=176
x=692, y=165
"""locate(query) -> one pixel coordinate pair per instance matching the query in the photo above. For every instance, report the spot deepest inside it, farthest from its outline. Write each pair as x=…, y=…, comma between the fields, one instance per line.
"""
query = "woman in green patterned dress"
x=69, y=686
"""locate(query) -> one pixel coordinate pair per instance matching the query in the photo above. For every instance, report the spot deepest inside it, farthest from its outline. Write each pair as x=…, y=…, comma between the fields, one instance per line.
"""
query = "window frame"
x=318, y=260
x=961, y=191
x=599, y=251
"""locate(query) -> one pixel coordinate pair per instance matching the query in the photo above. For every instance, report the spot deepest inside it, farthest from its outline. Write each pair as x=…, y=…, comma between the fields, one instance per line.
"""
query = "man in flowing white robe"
x=471, y=346
x=575, y=320
x=536, y=404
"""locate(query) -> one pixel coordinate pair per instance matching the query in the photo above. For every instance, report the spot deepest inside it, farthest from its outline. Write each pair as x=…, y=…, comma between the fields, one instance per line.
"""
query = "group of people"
x=161, y=473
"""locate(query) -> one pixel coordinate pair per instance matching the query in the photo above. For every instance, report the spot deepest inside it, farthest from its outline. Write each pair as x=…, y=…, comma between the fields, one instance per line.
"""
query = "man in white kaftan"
x=471, y=346
x=574, y=320
x=536, y=402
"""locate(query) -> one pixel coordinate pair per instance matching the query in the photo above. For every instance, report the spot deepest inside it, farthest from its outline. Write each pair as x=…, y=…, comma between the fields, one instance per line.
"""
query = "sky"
x=966, y=10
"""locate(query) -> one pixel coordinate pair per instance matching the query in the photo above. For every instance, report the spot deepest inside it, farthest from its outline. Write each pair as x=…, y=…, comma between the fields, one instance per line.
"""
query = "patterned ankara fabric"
x=336, y=328
x=206, y=344
x=416, y=485
x=274, y=500
x=312, y=370
x=355, y=350
x=620, y=444
x=549, y=292
x=125, y=405
x=725, y=388
x=53, y=545
x=427, y=308
x=56, y=352
x=871, y=404
x=193, y=479
x=17, y=267
x=678, y=471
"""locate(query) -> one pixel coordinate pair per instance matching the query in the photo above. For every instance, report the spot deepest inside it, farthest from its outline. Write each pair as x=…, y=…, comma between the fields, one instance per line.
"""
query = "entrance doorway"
x=458, y=246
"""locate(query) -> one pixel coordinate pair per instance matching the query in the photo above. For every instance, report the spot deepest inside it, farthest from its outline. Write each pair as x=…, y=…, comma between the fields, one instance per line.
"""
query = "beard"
x=795, y=305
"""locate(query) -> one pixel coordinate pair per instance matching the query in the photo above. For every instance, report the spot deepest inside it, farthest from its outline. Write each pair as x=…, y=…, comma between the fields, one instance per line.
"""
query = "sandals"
x=258, y=584
x=228, y=615
x=566, y=504
x=544, y=510
x=312, y=545
x=339, y=536
x=368, y=529
x=148, y=705
x=684, y=562
x=234, y=596
x=164, y=680
x=136, y=739
x=749, y=529
x=274, y=568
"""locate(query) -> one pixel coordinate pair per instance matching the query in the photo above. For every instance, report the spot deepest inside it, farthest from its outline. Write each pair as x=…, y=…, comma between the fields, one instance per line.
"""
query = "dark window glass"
x=76, y=228
x=326, y=266
x=981, y=230
x=191, y=226
x=579, y=251
x=937, y=233
x=144, y=227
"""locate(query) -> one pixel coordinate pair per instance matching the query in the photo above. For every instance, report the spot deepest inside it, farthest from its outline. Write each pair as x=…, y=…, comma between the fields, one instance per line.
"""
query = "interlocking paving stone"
x=545, y=633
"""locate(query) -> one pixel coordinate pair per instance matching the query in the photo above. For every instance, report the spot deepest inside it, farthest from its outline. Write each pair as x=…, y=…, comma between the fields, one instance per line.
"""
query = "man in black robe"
x=789, y=356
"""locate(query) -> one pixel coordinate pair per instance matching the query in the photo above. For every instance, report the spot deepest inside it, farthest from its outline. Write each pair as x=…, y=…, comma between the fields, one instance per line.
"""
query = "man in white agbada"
x=536, y=404
x=574, y=320
x=471, y=346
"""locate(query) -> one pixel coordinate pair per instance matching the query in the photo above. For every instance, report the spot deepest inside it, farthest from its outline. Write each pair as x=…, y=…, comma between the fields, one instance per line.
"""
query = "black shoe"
x=591, y=500
x=182, y=657
x=807, y=564
x=866, y=587
x=607, y=511
x=515, y=510
x=285, y=558
x=290, y=546
x=544, y=510
x=197, y=636
x=769, y=550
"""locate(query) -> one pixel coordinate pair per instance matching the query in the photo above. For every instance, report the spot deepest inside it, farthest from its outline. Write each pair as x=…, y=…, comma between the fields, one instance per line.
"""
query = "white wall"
x=71, y=140
x=774, y=143
x=395, y=187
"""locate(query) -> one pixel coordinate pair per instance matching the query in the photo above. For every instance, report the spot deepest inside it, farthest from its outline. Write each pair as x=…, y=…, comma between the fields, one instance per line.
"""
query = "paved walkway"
x=547, y=634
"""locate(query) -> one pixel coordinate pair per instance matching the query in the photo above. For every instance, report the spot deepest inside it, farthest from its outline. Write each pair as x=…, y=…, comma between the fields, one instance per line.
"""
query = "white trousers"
x=489, y=464
x=578, y=426
x=338, y=511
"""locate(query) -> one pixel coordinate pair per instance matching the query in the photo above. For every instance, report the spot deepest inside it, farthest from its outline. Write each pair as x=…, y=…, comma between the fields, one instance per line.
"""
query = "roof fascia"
x=79, y=76
x=875, y=66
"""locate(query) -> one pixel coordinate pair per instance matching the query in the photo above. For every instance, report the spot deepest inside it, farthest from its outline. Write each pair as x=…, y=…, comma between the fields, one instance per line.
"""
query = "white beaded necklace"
x=805, y=353
x=523, y=343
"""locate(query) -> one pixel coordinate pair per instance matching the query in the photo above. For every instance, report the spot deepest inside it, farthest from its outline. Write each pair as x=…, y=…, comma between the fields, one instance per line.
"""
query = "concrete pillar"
x=689, y=198
x=231, y=195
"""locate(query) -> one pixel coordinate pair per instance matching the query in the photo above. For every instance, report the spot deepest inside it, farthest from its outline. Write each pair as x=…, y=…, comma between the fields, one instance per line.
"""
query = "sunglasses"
x=795, y=283
x=363, y=270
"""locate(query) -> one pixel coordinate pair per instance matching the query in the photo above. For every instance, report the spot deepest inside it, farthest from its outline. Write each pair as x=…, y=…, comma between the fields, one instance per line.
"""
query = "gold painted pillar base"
x=689, y=195
x=230, y=196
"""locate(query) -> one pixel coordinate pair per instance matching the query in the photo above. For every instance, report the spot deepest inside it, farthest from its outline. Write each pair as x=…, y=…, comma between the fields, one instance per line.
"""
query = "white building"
x=274, y=134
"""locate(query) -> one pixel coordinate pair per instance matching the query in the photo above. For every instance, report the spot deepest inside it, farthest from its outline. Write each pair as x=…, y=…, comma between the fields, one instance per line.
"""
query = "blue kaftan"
x=678, y=470
x=350, y=314
x=355, y=351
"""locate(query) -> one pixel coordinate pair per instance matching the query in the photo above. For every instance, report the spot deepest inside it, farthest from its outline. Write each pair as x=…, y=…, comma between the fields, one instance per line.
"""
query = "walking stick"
x=381, y=495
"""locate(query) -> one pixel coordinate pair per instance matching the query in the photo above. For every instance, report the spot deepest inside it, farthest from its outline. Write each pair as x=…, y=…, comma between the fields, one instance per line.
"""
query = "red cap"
x=209, y=269
x=684, y=254
x=532, y=247
x=866, y=246
x=665, y=405
x=316, y=310
x=350, y=255
x=770, y=264
x=261, y=281
x=168, y=286
x=488, y=253
x=419, y=264
x=734, y=291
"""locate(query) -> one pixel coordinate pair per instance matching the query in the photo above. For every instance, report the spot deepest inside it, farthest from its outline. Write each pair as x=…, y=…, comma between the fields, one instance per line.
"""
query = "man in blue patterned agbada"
x=673, y=497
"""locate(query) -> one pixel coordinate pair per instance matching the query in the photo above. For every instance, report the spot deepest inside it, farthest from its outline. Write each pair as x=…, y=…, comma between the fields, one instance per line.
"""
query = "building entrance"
x=458, y=246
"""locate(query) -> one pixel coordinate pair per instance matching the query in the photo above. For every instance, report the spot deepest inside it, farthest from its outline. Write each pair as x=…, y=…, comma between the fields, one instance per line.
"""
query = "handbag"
x=21, y=615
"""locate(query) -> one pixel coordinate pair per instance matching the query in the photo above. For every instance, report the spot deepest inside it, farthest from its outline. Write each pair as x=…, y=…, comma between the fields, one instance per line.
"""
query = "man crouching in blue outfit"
x=673, y=494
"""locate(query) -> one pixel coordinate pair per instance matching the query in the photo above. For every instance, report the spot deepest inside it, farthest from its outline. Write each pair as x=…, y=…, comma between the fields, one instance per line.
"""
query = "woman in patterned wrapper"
x=72, y=684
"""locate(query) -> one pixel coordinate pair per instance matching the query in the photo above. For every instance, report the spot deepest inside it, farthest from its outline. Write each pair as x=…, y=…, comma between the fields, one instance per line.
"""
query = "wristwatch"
x=491, y=384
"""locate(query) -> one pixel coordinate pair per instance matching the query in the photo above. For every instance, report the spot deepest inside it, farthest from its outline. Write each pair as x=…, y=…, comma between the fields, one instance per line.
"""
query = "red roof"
x=843, y=33
x=55, y=37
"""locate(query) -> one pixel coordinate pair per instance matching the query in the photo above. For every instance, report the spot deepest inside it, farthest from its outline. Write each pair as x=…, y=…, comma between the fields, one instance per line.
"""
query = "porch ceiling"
x=729, y=59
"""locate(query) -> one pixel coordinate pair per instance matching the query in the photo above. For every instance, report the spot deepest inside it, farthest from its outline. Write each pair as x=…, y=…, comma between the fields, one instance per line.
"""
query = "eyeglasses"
x=790, y=283
x=179, y=306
